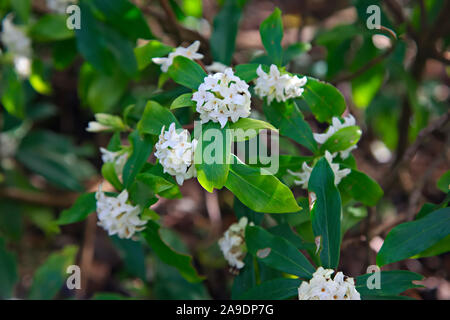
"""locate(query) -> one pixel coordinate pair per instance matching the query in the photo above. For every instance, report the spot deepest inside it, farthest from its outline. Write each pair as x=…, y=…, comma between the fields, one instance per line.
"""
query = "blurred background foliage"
x=396, y=85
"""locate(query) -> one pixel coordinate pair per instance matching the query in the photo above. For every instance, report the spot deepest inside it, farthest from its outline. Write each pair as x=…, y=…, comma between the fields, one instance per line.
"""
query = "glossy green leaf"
x=225, y=29
x=142, y=148
x=13, y=94
x=271, y=31
x=361, y=187
x=247, y=128
x=51, y=27
x=326, y=216
x=154, y=118
x=83, y=206
x=180, y=261
x=391, y=283
x=185, y=100
x=324, y=100
x=8, y=272
x=247, y=72
x=152, y=49
x=276, y=289
x=186, y=72
x=260, y=192
x=109, y=173
x=51, y=276
x=212, y=156
x=410, y=238
x=277, y=252
x=342, y=139
x=289, y=119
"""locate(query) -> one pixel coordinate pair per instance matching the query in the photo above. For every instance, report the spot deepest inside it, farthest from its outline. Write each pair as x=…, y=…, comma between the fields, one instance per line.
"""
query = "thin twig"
x=372, y=62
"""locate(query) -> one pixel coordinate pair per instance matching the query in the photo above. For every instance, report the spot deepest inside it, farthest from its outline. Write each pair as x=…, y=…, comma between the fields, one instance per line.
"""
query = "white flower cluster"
x=19, y=45
x=322, y=287
x=276, y=86
x=189, y=52
x=232, y=243
x=59, y=6
x=175, y=152
x=118, y=158
x=306, y=173
x=222, y=96
x=116, y=216
x=337, y=125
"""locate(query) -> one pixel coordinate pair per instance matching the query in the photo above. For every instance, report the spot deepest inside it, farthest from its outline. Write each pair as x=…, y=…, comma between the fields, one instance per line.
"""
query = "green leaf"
x=293, y=163
x=22, y=9
x=125, y=17
x=241, y=210
x=185, y=100
x=326, y=215
x=64, y=53
x=276, y=289
x=342, y=139
x=271, y=31
x=277, y=252
x=289, y=119
x=324, y=100
x=410, y=238
x=152, y=49
x=212, y=156
x=142, y=148
x=186, y=72
x=247, y=72
x=109, y=173
x=51, y=276
x=133, y=256
x=444, y=182
x=391, y=283
x=8, y=272
x=156, y=183
x=83, y=206
x=295, y=50
x=225, y=28
x=438, y=248
x=180, y=261
x=246, y=279
x=154, y=118
x=253, y=126
x=51, y=27
x=104, y=47
x=13, y=94
x=260, y=192
x=360, y=187
x=285, y=231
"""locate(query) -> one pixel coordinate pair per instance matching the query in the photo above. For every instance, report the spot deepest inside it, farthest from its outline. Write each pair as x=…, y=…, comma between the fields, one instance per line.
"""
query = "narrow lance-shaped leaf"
x=186, y=72
x=142, y=148
x=212, y=156
x=154, y=118
x=225, y=28
x=271, y=31
x=277, y=252
x=326, y=215
x=324, y=100
x=260, y=192
x=83, y=206
x=180, y=261
x=410, y=238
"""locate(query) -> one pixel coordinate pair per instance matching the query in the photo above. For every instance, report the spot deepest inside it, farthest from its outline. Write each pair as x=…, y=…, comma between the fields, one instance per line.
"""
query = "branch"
x=372, y=62
x=46, y=199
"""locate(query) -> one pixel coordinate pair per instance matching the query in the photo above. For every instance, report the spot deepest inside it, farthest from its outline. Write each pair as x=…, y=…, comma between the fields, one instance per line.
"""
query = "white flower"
x=59, y=6
x=118, y=158
x=94, y=126
x=19, y=45
x=232, y=244
x=322, y=287
x=337, y=125
x=116, y=216
x=175, y=152
x=216, y=67
x=306, y=173
x=276, y=86
x=222, y=96
x=189, y=52
x=22, y=65
x=15, y=39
